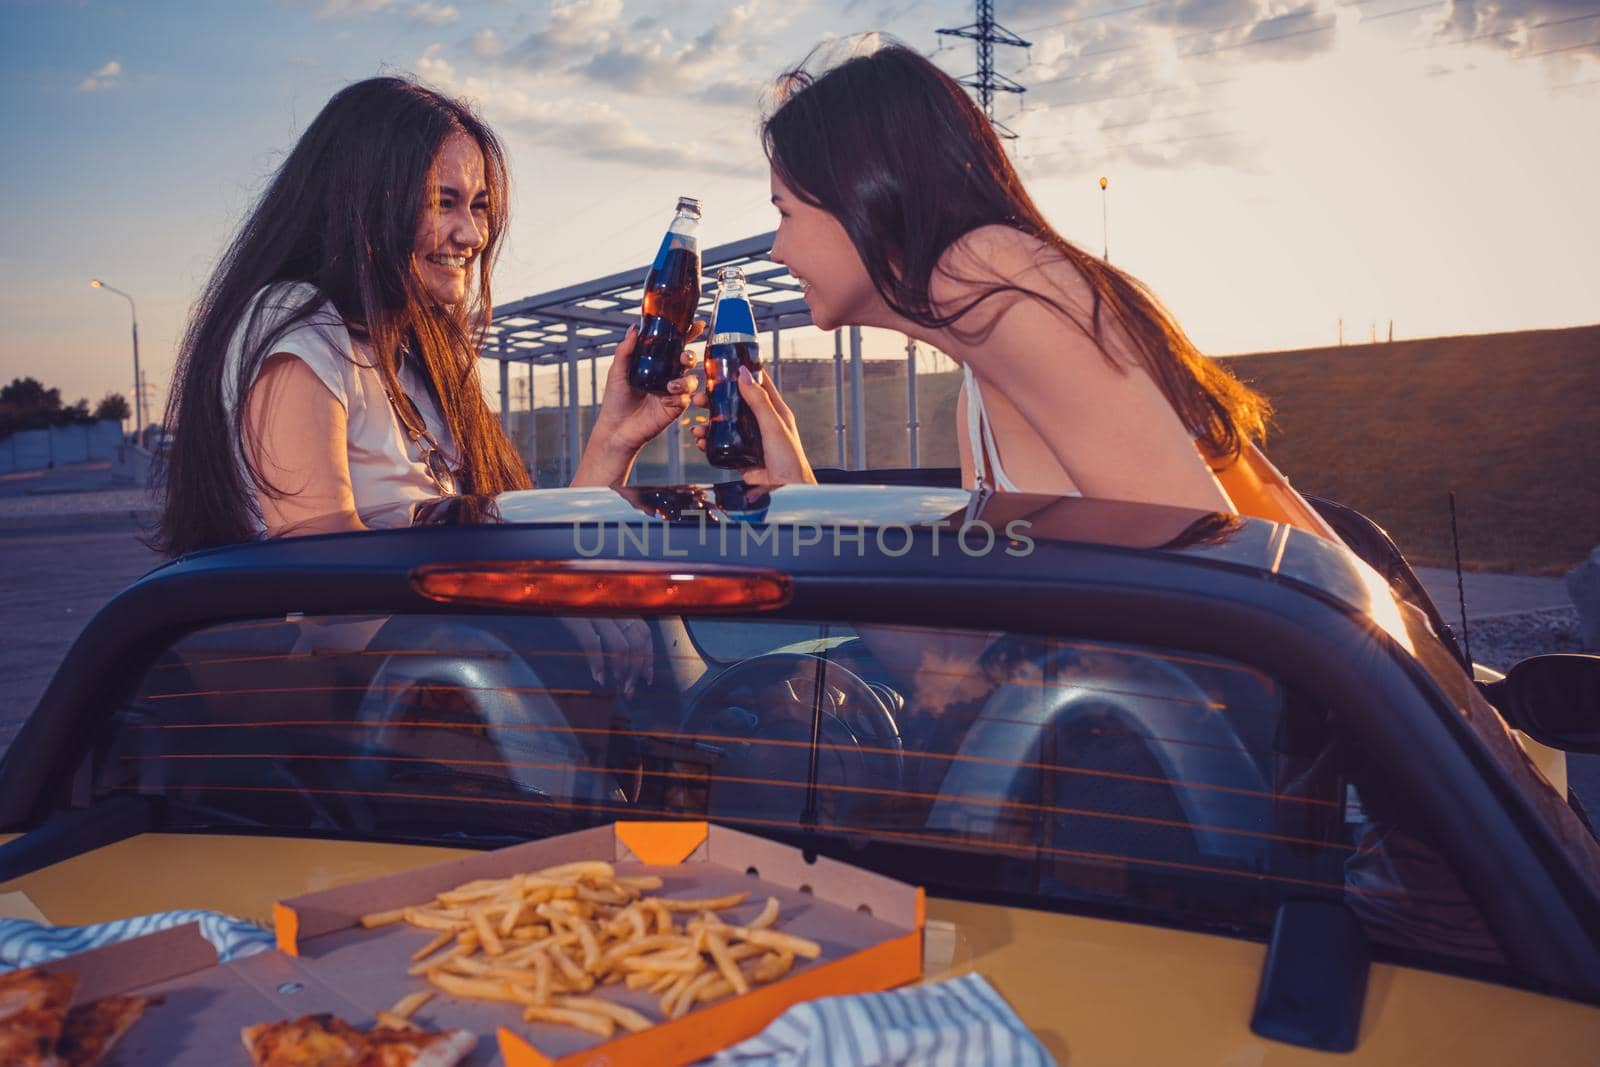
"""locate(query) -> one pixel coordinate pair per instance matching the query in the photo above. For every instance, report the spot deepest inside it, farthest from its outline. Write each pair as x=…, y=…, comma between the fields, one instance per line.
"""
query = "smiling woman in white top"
x=329, y=374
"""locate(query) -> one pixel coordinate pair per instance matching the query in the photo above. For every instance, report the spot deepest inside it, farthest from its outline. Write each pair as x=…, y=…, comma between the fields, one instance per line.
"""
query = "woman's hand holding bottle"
x=630, y=419
x=783, y=456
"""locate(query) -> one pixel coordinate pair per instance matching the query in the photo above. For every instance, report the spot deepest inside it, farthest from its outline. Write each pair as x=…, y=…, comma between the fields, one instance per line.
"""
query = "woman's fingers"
x=641, y=652
x=616, y=652
x=781, y=406
x=760, y=401
x=625, y=347
x=780, y=442
x=583, y=631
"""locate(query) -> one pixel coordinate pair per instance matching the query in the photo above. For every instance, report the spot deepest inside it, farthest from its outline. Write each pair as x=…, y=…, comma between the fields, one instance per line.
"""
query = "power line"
x=1507, y=32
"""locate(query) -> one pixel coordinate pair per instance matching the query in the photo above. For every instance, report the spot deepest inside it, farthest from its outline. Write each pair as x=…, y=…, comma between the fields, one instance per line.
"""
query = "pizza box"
x=205, y=1004
x=870, y=929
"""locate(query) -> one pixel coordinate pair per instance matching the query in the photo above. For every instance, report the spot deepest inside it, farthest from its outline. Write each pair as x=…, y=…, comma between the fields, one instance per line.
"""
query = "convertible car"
x=1186, y=788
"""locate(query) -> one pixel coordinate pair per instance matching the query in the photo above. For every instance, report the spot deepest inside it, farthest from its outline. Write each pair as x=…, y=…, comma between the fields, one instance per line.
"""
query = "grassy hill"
x=1510, y=421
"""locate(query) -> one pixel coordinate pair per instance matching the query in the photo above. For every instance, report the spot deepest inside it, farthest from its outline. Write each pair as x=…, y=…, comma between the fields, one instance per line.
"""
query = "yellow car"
x=1188, y=789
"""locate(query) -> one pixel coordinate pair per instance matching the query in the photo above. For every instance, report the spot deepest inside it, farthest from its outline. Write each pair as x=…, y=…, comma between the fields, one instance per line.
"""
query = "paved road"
x=1492, y=595
x=53, y=579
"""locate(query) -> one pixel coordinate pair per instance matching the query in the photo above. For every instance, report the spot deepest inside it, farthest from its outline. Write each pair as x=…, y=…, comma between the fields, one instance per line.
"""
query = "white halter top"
x=985, y=452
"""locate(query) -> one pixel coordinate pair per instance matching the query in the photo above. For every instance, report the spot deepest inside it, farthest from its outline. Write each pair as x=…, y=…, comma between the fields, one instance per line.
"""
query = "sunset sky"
x=1274, y=167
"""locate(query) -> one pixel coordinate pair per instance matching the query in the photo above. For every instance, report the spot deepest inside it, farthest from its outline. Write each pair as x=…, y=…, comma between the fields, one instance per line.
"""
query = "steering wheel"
x=754, y=721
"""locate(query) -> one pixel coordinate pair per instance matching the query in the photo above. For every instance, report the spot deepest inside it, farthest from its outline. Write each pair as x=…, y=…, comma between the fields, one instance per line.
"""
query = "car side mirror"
x=1554, y=699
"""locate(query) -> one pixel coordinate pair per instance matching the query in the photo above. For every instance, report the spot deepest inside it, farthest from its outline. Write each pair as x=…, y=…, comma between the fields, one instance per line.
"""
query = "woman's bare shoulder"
x=999, y=255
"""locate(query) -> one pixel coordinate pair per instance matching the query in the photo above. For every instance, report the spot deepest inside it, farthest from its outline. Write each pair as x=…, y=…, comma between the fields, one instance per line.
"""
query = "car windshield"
x=1114, y=779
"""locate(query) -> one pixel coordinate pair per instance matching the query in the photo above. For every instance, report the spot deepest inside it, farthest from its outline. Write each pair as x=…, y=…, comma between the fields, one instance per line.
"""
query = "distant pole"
x=911, y=403
x=1105, y=231
x=533, y=429
x=858, y=403
x=1391, y=330
x=505, y=395
x=838, y=394
x=1341, y=332
x=138, y=379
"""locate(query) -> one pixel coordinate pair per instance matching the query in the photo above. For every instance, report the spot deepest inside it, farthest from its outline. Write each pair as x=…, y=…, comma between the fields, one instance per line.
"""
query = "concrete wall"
x=33, y=450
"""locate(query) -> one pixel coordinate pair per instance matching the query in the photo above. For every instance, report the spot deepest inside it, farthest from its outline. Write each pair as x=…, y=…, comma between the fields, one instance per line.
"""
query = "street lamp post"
x=1105, y=237
x=138, y=381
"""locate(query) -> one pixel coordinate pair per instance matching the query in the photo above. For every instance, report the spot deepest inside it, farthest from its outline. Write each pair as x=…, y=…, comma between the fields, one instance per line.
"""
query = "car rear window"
x=1111, y=778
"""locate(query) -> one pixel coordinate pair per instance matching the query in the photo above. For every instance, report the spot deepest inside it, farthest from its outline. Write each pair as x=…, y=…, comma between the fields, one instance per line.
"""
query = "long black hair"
x=341, y=213
x=896, y=150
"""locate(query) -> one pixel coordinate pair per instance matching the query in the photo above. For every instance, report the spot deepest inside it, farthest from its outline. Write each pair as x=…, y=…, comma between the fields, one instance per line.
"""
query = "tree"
x=26, y=404
x=112, y=406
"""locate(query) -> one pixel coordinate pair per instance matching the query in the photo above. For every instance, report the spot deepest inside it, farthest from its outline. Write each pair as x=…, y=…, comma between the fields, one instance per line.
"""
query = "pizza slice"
x=33, y=1012
x=92, y=1029
x=309, y=1041
x=417, y=1048
x=328, y=1041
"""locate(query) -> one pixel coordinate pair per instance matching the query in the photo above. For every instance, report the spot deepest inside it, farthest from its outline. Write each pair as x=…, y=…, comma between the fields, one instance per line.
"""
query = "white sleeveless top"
x=386, y=469
x=985, y=452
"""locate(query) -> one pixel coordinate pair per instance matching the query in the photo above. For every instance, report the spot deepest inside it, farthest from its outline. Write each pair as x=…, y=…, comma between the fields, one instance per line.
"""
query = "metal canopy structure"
x=590, y=319
x=587, y=321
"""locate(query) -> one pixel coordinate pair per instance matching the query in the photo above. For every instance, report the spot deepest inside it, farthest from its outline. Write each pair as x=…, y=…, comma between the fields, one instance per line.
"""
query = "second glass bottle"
x=733, y=439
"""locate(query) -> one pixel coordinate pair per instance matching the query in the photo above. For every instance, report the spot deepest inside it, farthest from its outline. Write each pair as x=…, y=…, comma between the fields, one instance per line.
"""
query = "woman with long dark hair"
x=329, y=375
x=899, y=209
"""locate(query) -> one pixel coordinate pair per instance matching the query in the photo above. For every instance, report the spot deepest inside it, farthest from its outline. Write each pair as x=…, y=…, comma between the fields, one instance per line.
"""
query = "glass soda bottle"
x=733, y=440
x=671, y=294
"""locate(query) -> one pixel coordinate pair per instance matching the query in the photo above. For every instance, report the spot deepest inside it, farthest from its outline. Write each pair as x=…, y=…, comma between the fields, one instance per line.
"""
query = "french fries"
x=545, y=940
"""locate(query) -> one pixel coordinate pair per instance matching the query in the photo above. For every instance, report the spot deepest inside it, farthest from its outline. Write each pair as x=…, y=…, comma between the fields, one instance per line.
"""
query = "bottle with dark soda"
x=671, y=294
x=733, y=439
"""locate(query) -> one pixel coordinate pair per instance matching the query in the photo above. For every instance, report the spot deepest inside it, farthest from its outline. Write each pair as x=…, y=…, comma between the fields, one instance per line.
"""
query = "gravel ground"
x=65, y=505
x=1500, y=642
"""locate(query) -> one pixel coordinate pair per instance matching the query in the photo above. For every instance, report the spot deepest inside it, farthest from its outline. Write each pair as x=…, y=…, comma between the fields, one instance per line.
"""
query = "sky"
x=1278, y=170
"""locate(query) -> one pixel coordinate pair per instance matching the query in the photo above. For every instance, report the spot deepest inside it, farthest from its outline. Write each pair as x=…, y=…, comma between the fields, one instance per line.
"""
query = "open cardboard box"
x=869, y=927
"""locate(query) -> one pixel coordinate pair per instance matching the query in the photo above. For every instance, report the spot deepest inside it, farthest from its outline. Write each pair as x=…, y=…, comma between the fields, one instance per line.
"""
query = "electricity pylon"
x=987, y=33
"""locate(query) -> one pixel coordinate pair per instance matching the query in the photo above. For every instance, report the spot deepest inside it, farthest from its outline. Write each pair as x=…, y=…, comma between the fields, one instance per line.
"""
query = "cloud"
x=108, y=76
x=344, y=9
x=434, y=14
x=546, y=113
x=1135, y=69
x=594, y=40
x=422, y=11
x=487, y=44
x=1522, y=27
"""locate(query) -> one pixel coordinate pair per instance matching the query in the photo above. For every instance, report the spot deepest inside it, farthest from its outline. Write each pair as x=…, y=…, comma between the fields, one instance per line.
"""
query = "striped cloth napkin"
x=24, y=943
x=945, y=1024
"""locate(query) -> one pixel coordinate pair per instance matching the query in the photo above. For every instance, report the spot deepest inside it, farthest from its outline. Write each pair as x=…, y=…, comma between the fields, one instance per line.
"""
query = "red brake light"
x=604, y=586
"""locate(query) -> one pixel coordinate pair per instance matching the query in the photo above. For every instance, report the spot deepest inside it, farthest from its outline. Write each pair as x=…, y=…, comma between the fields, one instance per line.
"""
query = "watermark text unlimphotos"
x=974, y=538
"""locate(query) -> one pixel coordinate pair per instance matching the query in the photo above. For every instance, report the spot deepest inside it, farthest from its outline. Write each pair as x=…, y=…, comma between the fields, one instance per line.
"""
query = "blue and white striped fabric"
x=947, y=1024
x=27, y=944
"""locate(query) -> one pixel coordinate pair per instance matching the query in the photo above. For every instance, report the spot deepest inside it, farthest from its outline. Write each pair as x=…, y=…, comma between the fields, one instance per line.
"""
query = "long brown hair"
x=340, y=214
x=896, y=150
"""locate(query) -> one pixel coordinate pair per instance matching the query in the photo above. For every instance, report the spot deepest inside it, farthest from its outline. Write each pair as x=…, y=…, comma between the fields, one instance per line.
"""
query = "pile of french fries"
x=545, y=940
